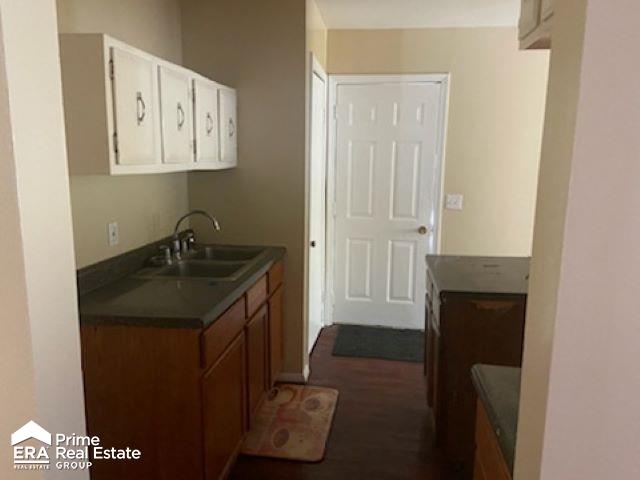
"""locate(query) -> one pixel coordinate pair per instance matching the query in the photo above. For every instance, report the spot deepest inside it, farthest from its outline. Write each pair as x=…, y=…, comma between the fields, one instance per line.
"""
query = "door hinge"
x=335, y=111
x=111, y=69
x=115, y=143
x=195, y=148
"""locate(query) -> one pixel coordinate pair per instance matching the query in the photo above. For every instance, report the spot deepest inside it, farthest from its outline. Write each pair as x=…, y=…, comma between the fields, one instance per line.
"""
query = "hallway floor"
x=381, y=429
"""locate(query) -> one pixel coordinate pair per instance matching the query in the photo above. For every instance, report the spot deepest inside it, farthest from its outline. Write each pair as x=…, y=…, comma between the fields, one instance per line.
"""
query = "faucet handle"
x=166, y=251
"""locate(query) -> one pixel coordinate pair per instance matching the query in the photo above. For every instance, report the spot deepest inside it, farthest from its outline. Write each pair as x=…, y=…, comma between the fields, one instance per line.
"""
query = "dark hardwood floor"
x=381, y=429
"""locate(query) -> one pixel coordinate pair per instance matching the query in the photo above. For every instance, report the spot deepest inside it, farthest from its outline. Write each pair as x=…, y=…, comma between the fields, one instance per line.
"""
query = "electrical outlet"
x=454, y=201
x=113, y=234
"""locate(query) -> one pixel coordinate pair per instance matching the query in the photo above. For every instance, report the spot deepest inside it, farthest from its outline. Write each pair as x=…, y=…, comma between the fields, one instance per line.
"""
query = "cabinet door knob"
x=209, y=123
x=422, y=230
x=141, y=108
x=181, y=116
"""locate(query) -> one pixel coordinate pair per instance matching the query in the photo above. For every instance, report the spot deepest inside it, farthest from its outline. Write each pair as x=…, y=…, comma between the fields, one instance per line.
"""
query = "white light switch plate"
x=454, y=201
x=113, y=234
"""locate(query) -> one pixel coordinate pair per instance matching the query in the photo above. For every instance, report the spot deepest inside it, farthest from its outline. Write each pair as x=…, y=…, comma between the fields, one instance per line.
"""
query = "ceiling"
x=418, y=13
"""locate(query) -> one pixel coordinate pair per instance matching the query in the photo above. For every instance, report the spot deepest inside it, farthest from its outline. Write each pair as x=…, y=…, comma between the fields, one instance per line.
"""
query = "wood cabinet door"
x=177, y=117
x=207, y=126
x=228, y=128
x=224, y=410
x=257, y=359
x=275, y=335
x=529, y=17
x=135, y=106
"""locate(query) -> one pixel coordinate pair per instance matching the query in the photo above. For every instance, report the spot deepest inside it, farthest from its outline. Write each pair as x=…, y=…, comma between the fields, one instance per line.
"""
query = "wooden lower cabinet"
x=257, y=359
x=182, y=396
x=276, y=327
x=224, y=410
x=489, y=463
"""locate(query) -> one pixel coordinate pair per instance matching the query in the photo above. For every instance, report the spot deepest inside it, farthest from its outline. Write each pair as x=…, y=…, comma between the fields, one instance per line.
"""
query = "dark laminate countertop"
x=499, y=390
x=506, y=275
x=174, y=303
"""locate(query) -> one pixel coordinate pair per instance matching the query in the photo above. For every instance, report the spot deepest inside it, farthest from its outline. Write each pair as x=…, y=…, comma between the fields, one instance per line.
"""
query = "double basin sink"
x=208, y=262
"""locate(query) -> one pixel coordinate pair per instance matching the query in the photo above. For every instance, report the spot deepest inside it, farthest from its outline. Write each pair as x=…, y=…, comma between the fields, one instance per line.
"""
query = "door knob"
x=422, y=230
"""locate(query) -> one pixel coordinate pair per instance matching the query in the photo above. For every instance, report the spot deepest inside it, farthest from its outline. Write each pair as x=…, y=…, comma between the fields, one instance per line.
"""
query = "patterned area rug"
x=293, y=423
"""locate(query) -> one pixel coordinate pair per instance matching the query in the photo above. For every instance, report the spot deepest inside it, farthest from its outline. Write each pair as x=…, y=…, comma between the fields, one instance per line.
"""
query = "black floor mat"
x=379, y=342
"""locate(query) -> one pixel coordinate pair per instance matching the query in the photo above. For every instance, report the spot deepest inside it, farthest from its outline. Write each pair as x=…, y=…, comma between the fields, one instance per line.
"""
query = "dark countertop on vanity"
x=469, y=274
x=499, y=391
x=169, y=303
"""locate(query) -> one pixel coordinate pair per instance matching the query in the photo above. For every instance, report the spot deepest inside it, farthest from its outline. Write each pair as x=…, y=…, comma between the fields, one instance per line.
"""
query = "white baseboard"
x=294, y=377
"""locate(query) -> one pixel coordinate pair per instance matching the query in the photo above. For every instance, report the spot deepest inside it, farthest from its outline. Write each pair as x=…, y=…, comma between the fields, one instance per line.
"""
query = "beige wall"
x=317, y=34
x=555, y=171
x=581, y=390
x=145, y=206
x=496, y=109
x=261, y=201
x=42, y=243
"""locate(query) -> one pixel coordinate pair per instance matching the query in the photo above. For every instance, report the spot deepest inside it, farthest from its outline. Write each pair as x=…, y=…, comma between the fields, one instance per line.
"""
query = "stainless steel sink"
x=208, y=262
x=220, y=271
x=214, y=252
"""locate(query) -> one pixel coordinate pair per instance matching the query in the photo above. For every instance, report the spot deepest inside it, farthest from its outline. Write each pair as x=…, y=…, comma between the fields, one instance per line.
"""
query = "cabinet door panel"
x=228, y=127
x=529, y=17
x=275, y=335
x=177, y=117
x=224, y=409
x=547, y=9
x=207, y=127
x=135, y=108
x=257, y=359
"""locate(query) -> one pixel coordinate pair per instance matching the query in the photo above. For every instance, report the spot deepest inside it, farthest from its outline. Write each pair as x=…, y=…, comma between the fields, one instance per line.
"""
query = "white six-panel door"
x=317, y=202
x=387, y=180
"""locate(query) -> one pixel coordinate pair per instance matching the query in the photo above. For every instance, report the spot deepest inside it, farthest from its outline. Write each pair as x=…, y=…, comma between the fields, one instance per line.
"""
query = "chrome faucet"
x=176, y=238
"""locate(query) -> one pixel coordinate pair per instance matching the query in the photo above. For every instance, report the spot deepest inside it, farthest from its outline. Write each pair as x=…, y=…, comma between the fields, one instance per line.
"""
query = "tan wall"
x=261, y=201
x=17, y=395
x=496, y=109
x=43, y=237
x=145, y=206
x=317, y=34
x=579, y=408
x=555, y=171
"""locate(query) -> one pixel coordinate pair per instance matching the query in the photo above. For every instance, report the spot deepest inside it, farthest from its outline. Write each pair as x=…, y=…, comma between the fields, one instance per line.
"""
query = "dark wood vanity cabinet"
x=257, y=335
x=224, y=409
x=475, y=314
x=185, y=397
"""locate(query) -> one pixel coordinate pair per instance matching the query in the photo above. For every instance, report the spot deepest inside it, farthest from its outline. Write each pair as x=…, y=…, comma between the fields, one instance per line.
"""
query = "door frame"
x=315, y=69
x=335, y=81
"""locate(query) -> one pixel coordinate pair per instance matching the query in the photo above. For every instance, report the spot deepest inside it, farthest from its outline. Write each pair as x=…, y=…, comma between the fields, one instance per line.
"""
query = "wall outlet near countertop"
x=113, y=236
x=454, y=201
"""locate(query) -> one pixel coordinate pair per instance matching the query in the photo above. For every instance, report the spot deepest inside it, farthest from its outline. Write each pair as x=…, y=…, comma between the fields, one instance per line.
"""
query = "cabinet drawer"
x=256, y=296
x=218, y=336
x=276, y=272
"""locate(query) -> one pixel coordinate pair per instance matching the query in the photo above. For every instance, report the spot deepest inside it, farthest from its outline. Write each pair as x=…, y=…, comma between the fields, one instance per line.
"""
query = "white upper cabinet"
x=535, y=24
x=177, y=116
x=228, y=127
x=128, y=112
x=207, y=124
x=546, y=9
x=135, y=108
